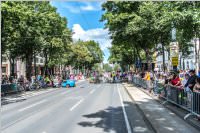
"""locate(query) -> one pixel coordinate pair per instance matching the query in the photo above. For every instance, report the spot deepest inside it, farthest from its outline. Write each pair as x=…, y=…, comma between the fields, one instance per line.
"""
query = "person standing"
x=192, y=80
x=148, y=80
x=176, y=81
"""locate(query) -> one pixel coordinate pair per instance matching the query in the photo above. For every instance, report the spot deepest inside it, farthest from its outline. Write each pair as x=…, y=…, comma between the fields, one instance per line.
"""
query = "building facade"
x=20, y=66
x=187, y=62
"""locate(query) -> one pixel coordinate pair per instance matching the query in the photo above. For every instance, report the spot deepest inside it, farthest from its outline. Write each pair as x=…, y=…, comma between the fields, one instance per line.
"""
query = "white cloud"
x=90, y=7
x=85, y=6
x=72, y=9
x=99, y=35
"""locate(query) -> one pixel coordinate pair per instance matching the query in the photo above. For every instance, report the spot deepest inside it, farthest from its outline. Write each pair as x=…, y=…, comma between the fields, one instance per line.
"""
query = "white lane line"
x=35, y=104
x=79, y=102
x=124, y=112
x=92, y=91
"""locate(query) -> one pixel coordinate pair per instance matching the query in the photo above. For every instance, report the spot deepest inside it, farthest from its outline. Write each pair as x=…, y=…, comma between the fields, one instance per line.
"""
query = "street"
x=88, y=108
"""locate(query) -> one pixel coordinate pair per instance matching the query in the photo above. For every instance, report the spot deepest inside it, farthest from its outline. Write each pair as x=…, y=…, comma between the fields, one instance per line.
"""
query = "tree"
x=107, y=67
x=141, y=26
x=29, y=28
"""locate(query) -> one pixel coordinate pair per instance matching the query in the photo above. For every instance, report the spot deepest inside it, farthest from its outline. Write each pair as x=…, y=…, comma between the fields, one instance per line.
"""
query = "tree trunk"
x=46, y=63
x=147, y=58
x=198, y=58
x=163, y=53
x=180, y=64
x=196, y=55
x=12, y=67
x=169, y=61
x=35, y=69
x=29, y=59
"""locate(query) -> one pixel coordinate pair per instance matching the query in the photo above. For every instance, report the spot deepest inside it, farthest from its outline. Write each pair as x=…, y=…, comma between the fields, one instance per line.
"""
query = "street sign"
x=174, y=61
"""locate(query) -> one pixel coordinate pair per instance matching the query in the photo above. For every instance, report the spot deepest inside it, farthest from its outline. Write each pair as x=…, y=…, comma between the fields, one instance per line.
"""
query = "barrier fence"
x=179, y=96
x=10, y=88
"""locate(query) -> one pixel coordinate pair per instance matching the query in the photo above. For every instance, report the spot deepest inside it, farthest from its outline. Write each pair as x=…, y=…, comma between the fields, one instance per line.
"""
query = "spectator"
x=197, y=85
x=191, y=81
x=175, y=80
x=39, y=77
x=196, y=88
x=148, y=81
x=199, y=73
x=185, y=79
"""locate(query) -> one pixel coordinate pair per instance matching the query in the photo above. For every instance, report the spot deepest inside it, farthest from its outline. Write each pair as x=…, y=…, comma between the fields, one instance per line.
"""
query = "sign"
x=174, y=61
x=174, y=53
x=174, y=50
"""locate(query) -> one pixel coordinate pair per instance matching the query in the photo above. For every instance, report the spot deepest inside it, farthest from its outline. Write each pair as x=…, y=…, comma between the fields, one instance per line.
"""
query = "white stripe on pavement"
x=79, y=102
x=92, y=91
x=35, y=104
x=124, y=112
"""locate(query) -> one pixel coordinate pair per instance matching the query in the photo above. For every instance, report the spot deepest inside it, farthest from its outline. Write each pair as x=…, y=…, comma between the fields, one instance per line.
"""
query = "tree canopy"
x=138, y=27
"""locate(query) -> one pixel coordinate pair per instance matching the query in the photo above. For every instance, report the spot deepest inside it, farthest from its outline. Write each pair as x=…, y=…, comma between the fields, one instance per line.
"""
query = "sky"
x=83, y=19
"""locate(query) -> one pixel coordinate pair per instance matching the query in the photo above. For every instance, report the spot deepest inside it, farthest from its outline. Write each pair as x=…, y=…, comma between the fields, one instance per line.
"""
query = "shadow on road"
x=112, y=119
x=12, y=99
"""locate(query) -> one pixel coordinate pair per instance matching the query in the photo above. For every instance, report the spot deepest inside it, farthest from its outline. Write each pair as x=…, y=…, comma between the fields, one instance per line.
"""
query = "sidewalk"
x=162, y=119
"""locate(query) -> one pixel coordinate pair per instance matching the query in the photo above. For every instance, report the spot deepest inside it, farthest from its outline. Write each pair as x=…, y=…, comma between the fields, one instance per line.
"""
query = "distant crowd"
x=40, y=81
x=184, y=78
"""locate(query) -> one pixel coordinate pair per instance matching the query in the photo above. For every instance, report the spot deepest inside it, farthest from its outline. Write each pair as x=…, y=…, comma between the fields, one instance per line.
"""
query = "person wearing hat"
x=192, y=80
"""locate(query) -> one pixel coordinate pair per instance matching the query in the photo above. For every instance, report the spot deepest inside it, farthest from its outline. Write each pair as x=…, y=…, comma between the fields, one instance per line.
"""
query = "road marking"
x=79, y=102
x=92, y=91
x=124, y=112
x=35, y=104
x=63, y=93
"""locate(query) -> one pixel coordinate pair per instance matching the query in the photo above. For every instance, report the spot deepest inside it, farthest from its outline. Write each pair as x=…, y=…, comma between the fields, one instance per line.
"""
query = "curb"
x=146, y=120
x=175, y=112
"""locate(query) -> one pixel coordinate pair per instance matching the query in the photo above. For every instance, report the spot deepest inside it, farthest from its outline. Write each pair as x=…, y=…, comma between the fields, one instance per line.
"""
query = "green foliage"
x=137, y=27
x=86, y=53
x=107, y=67
x=29, y=28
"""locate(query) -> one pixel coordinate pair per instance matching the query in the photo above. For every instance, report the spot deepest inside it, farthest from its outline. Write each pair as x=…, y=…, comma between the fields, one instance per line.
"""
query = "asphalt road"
x=87, y=108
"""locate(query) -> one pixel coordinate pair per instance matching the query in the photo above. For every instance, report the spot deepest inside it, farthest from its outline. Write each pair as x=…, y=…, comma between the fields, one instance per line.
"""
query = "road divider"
x=79, y=102
x=128, y=127
x=31, y=106
x=92, y=91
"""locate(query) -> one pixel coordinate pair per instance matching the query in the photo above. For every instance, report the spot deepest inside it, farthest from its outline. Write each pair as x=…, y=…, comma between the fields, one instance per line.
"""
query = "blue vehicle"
x=68, y=83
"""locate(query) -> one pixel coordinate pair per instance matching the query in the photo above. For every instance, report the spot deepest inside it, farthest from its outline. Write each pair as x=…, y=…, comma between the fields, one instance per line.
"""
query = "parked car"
x=68, y=83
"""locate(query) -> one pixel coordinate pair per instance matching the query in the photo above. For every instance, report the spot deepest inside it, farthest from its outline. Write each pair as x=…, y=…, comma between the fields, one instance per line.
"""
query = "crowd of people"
x=188, y=80
x=39, y=81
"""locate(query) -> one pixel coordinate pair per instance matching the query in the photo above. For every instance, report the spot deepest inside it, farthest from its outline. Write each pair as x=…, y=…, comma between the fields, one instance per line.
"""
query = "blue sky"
x=83, y=18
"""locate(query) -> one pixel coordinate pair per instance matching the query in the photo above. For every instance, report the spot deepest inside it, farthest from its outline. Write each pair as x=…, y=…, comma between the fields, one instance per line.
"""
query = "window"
x=41, y=61
x=4, y=59
x=3, y=69
x=37, y=61
x=41, y=55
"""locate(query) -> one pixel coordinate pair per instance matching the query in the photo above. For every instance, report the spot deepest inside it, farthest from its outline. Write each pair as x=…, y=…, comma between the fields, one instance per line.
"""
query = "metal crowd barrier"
x=9, y=88
x=179, y=96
